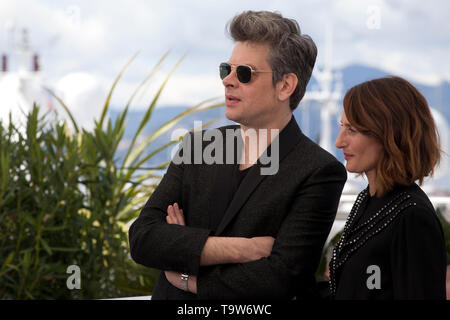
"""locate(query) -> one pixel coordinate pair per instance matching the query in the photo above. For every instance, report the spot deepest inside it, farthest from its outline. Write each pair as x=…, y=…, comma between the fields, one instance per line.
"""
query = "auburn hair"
x=397, y=115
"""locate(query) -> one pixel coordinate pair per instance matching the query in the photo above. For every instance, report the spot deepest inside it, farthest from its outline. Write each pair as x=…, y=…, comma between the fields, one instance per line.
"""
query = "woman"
x=392, y=246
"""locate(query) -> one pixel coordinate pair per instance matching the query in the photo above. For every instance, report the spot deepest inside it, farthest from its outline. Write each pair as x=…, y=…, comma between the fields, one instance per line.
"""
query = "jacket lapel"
x=287, y=139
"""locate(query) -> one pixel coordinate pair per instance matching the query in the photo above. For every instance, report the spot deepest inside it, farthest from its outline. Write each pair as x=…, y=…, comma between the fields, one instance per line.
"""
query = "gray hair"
x=291, y=52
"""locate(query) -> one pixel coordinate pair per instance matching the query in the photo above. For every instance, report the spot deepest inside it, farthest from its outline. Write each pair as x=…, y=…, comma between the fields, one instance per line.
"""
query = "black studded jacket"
x=392, y=247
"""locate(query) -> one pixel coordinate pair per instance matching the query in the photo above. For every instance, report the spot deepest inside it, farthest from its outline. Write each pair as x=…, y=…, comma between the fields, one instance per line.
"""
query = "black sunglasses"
x=243, y=72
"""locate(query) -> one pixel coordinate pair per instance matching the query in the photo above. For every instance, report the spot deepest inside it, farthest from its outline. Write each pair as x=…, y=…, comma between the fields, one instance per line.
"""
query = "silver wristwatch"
x=184, y=281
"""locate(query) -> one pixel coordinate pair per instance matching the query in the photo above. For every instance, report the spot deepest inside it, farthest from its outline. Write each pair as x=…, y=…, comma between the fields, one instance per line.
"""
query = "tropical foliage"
x=67, y=197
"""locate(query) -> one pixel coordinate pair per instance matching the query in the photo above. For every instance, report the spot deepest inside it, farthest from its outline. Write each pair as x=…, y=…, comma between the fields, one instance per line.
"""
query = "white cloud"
x=191, y=89
x=84, y=94
x=180, y=90
x=98, y=37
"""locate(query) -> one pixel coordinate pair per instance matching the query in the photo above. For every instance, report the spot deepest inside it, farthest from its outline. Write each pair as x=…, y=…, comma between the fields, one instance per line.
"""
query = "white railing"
x=132, y=298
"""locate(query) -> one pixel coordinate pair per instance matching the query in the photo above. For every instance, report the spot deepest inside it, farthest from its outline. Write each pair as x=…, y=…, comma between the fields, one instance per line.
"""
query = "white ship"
x=21, y=80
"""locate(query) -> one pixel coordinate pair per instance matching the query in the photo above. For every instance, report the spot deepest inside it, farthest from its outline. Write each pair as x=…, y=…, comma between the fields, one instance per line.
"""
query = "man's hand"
x=260, y=247
x=175, y=215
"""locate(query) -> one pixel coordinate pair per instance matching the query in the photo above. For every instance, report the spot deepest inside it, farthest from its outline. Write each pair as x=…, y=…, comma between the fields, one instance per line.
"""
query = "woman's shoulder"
x=414, y=196
x=419, y=212
x=422, y=205
x=418, y=230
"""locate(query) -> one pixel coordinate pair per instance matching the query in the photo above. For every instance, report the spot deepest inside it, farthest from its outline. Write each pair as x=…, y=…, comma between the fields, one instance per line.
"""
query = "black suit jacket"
x=297, y=206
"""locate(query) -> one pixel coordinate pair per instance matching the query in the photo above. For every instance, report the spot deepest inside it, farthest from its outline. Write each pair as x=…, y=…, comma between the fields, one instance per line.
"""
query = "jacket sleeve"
x=290, y=269
x=157, y=244
x=418, y=262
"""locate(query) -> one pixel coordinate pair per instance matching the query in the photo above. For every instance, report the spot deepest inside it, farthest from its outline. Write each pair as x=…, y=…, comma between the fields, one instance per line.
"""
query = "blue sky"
x=94, y=39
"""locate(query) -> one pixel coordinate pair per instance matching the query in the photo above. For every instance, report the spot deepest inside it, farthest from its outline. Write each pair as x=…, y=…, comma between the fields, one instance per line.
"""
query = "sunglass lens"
x=244, y=74
x=225, y=70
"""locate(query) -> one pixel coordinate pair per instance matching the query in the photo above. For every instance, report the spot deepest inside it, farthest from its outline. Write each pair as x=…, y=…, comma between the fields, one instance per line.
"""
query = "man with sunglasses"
x=227, y=231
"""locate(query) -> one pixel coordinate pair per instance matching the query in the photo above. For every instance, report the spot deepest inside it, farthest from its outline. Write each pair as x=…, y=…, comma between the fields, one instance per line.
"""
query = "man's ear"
x=287, y=86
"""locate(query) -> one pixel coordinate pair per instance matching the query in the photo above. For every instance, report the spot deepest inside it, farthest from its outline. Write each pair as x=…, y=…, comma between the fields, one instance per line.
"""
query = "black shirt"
x=227, y=195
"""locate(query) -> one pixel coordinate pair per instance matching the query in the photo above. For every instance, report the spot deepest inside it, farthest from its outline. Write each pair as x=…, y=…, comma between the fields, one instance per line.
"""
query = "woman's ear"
x=286, y=86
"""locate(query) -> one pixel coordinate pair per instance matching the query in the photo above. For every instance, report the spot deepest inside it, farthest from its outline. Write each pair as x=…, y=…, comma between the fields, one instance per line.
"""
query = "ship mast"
x=329, y=94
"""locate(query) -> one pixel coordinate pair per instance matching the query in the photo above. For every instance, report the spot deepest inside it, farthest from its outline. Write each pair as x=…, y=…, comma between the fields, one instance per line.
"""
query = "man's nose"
x=231, y=79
